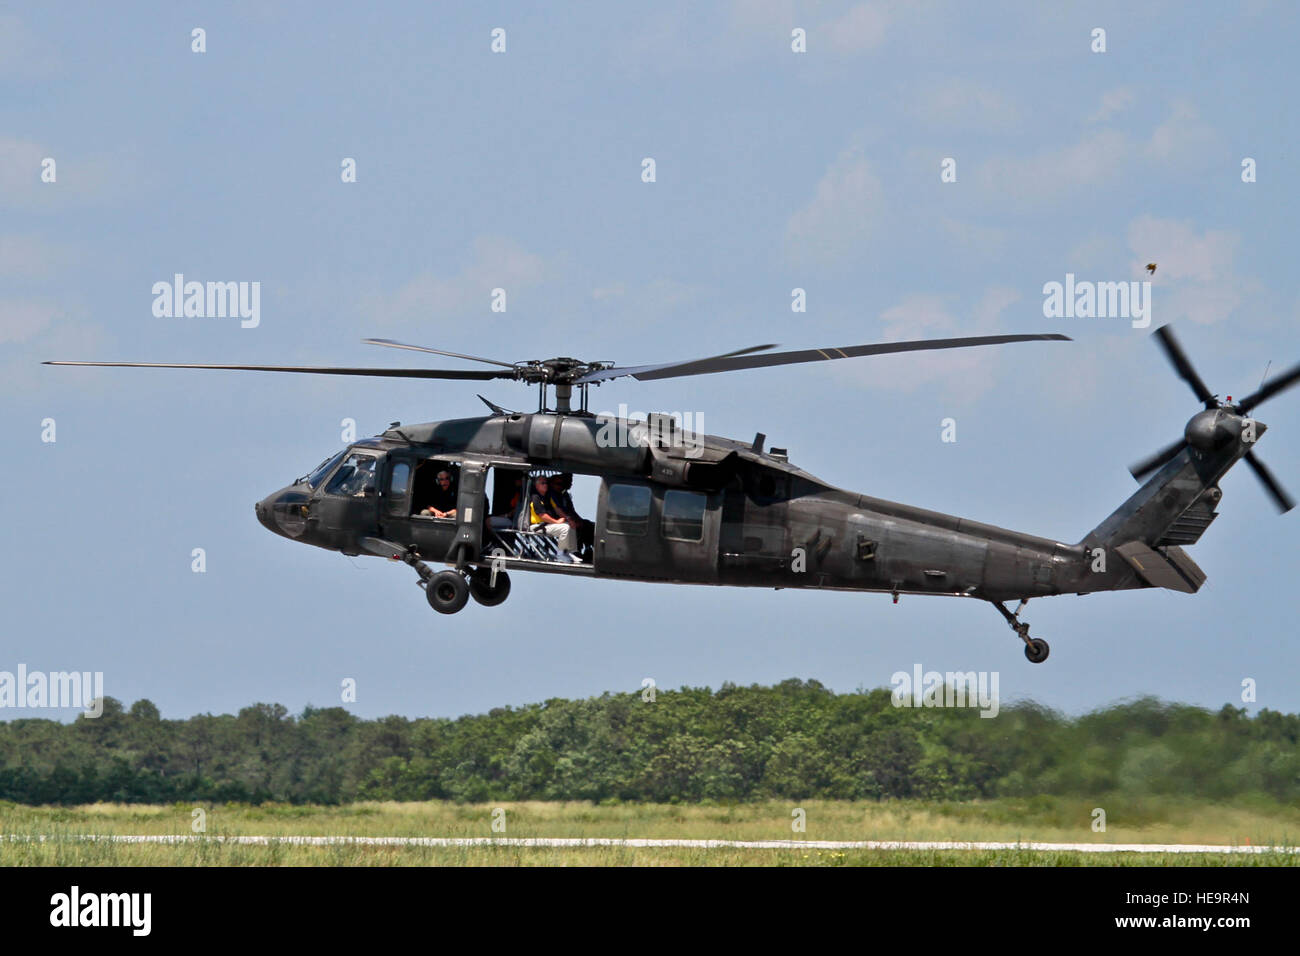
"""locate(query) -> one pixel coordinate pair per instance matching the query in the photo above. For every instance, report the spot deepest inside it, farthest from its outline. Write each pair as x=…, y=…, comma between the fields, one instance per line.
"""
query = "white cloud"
x=962, y=374
x=79, y=176
x=957, y=103
x=862, y=28
x=23, y=319
x=1112, y=102
x=1183, y=138
x=976, y=238
x=1095, y=158
x=494, y=262
x=1195, y=277
x=1179, y=252
x=832, y=226
x=28, y=257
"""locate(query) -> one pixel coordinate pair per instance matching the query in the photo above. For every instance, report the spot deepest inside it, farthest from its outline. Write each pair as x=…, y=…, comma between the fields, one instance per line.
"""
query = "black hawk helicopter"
x=699, y=509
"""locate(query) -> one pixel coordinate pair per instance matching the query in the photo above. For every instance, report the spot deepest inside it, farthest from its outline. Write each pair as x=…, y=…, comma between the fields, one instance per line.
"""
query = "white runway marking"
x=558, y=842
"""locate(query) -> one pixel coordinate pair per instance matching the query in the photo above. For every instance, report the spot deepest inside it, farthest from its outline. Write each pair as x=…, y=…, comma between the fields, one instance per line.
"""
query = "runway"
x=560, y=842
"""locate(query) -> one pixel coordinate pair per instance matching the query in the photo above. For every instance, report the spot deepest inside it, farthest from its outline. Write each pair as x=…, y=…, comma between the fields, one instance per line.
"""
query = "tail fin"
x=1173, y=508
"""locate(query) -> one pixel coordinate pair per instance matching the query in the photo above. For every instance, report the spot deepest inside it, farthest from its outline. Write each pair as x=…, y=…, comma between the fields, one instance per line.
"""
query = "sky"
x=774, y=170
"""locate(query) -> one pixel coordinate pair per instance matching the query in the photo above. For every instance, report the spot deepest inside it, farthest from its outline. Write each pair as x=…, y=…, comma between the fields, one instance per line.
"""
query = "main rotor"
x=565, y=373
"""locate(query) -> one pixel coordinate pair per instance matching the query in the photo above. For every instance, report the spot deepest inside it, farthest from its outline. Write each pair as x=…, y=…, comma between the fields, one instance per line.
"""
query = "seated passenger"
x=561, y=485
x=442, y=503
x=505, y=519
x=546, y=516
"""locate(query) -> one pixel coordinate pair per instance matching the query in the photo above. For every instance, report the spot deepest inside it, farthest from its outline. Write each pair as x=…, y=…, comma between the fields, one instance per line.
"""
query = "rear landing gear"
x=1036, y=649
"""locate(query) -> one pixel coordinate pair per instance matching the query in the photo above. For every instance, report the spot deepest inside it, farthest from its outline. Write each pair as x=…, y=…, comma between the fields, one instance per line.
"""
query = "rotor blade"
x=1183, y=366
x=602, y=375
x=1148, y=465
x=736, y=362
x=1284, y=501
x=471, y=375
x=420, y=348
x=1279, y=384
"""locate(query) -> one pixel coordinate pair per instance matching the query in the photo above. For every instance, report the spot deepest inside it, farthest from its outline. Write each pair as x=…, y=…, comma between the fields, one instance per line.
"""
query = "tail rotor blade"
x=1148, y=465
x=1284, y=501
x=1267, y=391
x=1178, y=358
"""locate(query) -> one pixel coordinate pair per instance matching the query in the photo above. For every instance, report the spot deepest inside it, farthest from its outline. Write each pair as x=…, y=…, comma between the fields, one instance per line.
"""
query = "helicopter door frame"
x=395, y=509
x=341, y=510
x=471, y=512
x=434, y=538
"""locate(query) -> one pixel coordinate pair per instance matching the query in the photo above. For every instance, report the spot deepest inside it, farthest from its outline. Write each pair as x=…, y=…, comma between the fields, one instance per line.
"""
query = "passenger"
x=505, y=520
x=561, y=486
x=442, y=503
x=545, y=515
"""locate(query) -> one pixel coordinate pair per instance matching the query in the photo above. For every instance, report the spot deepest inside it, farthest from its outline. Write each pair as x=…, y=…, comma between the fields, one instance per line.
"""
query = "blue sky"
x=522, y=170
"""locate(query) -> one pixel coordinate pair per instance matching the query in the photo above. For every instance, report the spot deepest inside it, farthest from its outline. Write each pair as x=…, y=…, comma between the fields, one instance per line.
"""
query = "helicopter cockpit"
x=317, y=474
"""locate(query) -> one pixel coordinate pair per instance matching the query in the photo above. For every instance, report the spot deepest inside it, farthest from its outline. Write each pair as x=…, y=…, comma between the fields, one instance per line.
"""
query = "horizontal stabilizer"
x=1173, y=569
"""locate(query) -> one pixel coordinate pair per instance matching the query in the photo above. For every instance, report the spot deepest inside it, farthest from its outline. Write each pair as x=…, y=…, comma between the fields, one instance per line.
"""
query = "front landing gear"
x=447, y=592
x=1036, y=649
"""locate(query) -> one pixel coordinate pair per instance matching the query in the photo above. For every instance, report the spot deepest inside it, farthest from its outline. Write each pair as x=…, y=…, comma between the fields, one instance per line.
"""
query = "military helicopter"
x=699, y=509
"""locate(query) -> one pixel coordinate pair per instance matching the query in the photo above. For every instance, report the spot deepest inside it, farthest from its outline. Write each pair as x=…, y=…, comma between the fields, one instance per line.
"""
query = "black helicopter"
x=698, y=509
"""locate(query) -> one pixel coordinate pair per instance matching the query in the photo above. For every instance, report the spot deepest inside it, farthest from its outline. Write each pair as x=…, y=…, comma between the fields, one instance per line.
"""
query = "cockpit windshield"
x=324, y=468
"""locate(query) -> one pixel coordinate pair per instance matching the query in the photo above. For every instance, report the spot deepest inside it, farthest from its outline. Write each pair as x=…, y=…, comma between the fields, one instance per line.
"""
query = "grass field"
x=55, y=835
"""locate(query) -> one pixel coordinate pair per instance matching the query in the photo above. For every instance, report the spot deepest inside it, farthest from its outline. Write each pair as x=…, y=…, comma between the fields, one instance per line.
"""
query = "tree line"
x=796, y=740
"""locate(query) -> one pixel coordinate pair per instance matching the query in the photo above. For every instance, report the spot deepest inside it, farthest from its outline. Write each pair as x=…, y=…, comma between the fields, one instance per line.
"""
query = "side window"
x=355, y=477
x=399, y=484
x=627, y=509
x=684, y=515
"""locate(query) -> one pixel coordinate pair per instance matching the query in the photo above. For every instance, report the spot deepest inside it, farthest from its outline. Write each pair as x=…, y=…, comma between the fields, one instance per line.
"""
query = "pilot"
x=561, y=485
x=545, y=515
x=442, y=503
x=354, y=477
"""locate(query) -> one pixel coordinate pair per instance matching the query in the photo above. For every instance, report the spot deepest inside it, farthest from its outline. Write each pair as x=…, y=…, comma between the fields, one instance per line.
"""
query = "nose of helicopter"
x=284, y=511
x=263, y=510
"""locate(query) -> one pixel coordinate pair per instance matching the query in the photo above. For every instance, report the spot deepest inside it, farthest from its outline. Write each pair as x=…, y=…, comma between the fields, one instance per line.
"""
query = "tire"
x=1036, y=650
x=447, y=592
x=480, y=587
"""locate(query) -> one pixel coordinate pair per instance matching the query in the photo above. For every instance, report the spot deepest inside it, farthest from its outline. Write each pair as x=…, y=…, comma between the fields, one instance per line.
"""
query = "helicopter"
x=700, y=509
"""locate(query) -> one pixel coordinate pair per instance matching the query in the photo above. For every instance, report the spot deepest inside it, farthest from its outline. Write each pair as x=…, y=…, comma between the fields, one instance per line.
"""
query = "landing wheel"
x=447, y=592
x=1036, y=650
x=481, y=589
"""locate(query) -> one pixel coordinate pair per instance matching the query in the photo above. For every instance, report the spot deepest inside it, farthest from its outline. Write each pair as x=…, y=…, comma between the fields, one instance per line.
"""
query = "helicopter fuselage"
x=708, y=510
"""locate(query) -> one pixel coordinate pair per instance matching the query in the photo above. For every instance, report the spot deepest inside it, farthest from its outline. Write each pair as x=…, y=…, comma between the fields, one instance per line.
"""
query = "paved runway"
x=688, y=844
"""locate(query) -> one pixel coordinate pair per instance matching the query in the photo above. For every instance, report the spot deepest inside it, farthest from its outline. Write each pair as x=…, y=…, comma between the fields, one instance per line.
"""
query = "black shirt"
x=542, y=505
x=444, y=499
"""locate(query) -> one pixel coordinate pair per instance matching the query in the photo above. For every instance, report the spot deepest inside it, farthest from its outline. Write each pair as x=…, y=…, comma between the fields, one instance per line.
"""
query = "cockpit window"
x=324, y=468
x=355, y=476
